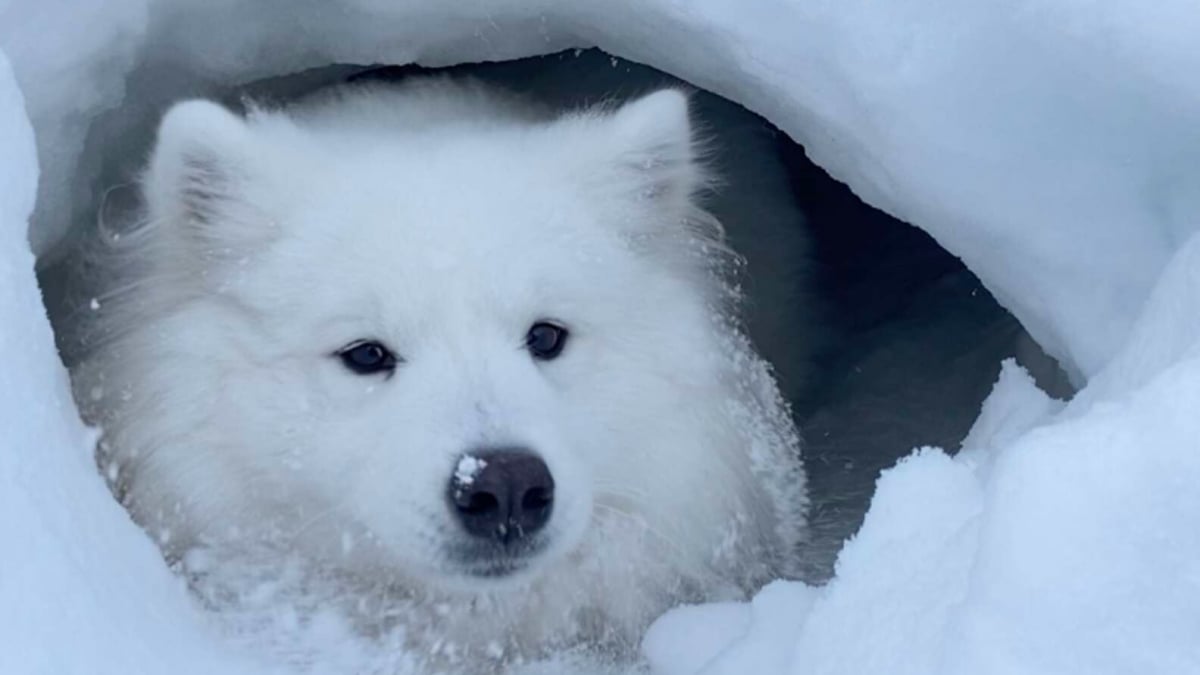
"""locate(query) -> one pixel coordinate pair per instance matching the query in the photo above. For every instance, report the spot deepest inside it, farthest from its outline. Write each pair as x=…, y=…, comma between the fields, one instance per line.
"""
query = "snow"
x=79, y=584
x=1053, y=146
x=994, y=126
x=467, y=468
x=1062, y=539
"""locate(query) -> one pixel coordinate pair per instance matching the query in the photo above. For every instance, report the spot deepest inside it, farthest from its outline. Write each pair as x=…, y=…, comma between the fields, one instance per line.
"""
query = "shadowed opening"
x=901, y=341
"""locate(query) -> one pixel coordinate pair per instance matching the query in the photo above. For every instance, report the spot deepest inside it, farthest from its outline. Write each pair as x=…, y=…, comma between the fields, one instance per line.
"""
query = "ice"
x=1053, y=146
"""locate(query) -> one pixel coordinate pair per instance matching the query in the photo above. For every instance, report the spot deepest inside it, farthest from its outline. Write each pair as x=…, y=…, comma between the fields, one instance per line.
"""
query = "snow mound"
x=1061, y=540
x=79, y=584
x=1053, y=147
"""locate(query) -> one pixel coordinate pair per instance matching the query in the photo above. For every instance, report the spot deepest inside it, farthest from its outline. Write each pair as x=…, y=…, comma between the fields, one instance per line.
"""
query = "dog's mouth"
x=495, y=560
x=496, y=569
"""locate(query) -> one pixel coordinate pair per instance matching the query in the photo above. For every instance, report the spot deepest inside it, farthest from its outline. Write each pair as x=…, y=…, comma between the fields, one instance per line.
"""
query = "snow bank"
x=79, y=584
x=1053, y=146
x=1056, y=542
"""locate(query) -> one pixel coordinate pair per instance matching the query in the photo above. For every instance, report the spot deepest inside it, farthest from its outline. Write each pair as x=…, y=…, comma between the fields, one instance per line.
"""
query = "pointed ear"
x=652, y=138
x=203, y=164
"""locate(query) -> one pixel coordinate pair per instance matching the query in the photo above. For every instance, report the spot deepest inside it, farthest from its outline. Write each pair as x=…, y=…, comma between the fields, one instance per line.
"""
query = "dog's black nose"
x=502, y=494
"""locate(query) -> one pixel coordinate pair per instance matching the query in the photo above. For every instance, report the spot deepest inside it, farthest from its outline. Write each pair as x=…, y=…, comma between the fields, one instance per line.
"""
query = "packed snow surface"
x=81, y=589
x=1053, y=146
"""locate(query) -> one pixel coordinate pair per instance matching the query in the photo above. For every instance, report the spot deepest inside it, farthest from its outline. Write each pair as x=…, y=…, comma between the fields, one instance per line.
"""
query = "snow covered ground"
x=1053, y=146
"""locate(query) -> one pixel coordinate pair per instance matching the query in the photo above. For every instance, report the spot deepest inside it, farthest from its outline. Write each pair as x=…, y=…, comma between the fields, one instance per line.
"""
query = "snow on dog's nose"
x=502, y=494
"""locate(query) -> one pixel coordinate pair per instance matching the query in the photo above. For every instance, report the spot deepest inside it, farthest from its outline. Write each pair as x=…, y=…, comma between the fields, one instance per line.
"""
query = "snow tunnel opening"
x=902, y=341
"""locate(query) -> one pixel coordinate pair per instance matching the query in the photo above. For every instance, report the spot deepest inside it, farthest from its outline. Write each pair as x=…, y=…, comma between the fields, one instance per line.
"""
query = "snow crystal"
x=468, y=467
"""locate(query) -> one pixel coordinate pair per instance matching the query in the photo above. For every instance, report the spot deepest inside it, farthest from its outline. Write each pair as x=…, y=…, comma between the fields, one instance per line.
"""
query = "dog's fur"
x=443, y=218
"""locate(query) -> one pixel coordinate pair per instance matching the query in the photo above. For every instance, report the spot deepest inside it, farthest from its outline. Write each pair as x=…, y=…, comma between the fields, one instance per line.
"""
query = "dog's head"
x=445, y=350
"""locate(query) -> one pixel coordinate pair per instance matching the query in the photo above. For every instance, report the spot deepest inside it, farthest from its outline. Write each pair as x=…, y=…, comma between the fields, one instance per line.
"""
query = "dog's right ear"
x=205, y=161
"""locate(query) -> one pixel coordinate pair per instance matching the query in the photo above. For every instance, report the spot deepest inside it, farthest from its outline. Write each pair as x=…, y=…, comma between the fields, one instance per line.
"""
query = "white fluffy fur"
x=443, y=219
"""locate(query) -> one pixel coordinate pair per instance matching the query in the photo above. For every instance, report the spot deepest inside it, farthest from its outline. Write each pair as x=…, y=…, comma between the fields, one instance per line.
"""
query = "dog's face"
x=451, y=355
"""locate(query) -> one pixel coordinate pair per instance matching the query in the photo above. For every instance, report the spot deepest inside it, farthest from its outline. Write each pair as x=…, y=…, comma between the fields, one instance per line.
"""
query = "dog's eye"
x=545, y=340
x=367, y=357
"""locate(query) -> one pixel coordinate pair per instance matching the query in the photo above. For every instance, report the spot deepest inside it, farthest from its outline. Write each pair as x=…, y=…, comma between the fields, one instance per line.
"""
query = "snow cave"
x=1001, y=431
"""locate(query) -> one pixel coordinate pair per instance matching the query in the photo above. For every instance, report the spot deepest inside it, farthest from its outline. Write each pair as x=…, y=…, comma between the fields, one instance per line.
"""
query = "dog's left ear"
x=653, y=145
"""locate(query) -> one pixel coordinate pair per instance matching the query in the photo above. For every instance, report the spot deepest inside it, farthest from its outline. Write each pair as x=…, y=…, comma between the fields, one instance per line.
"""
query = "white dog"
x=445, y=343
